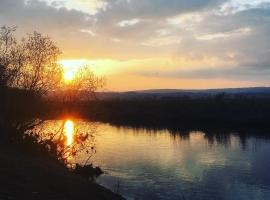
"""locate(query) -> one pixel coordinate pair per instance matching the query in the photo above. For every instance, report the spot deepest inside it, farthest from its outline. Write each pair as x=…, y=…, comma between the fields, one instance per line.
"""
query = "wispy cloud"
x=126, y=23
x=206, y=38
x=223, y=35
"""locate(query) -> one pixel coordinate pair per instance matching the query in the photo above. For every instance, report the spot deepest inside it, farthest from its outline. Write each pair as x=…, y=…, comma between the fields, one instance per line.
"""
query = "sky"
x=154, y=44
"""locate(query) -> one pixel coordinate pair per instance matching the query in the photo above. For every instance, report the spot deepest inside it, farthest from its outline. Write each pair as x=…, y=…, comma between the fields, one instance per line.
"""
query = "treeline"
x=214, y=112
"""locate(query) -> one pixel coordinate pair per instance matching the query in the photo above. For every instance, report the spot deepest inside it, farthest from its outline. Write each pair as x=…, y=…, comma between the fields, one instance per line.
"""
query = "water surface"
x=148, y=164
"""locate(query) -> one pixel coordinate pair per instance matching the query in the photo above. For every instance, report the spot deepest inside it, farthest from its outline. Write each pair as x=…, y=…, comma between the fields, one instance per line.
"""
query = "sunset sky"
x=147, y=44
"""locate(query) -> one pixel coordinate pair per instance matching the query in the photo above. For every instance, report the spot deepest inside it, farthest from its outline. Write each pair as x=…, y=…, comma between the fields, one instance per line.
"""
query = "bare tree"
x=40, y=72
x=83, y=86
x=10, y=63
x=11, y=56
x=31, y=67
x=30, y=64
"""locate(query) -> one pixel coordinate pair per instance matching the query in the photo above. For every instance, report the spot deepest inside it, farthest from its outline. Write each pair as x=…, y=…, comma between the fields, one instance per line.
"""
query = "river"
x=161, y=164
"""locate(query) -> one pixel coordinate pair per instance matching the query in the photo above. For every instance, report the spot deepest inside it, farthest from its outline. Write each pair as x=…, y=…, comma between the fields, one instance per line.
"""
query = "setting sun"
x=70, y=68
x=69, y=75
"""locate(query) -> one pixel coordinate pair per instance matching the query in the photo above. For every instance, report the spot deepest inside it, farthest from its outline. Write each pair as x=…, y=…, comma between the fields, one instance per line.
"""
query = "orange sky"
x=152, y=44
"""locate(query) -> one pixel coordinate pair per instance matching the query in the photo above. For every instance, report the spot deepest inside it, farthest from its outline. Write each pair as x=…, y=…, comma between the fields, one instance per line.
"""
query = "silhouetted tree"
x=83, y=86
x=8, y=68
x=11, y=56
x=40, y=71
x=30, y=68
x=30, y=64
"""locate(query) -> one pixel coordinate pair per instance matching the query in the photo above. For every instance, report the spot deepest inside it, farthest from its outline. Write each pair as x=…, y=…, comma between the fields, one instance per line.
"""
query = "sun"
x=69, y=75
x=70, y=69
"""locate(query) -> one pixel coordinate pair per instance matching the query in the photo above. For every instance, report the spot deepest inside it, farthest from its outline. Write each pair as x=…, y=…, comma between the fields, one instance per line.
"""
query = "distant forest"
x=211, y=112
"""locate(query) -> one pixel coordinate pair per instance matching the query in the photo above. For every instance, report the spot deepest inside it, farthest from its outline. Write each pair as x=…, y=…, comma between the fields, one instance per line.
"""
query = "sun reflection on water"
x=69, y=131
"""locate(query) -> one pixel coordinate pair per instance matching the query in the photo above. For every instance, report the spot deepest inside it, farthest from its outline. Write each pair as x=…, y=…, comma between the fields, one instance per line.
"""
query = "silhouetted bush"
x=88, y=171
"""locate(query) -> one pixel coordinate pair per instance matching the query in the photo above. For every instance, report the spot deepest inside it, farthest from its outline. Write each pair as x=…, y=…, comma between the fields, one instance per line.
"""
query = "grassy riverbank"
x=29, y=175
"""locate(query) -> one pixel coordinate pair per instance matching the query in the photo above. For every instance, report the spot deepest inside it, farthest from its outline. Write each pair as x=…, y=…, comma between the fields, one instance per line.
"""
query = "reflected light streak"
x=69, y=131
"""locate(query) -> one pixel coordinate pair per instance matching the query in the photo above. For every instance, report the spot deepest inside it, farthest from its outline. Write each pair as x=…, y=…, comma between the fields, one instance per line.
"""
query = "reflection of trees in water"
x=52, y=135
x=225, y=137
x=50, y=138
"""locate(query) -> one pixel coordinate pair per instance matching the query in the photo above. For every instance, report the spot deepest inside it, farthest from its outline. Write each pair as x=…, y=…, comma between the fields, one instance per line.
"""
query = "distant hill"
x=193, y=93
x=209, y=91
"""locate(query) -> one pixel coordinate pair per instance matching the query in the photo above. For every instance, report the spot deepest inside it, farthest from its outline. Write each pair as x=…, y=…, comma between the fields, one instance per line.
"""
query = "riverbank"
x=27, y=175
x=207, y=113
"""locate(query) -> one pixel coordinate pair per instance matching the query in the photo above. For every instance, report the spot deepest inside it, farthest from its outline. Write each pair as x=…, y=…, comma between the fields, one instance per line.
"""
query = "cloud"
x=162, y=41
x=233, y=33
x=126, y=23
x=121, y=9
x=37, y=14
x=70, y=28
x=205, y=39
x=90, y=7
x=238, y=73
x=234, y=6
x=88, y=31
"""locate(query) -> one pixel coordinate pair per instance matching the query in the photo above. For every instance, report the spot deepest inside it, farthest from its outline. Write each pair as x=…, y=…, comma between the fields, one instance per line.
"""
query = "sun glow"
x=69, y=131
x=69, y=75
x=70, y=69
x=99, y=67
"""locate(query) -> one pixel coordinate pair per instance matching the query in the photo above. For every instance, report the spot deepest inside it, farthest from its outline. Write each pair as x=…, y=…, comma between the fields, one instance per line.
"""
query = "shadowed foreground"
x=26, y=175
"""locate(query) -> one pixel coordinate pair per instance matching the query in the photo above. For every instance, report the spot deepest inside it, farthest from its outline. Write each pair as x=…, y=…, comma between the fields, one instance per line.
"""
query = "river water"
x=162, y=164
